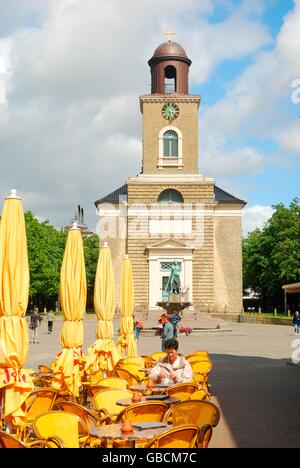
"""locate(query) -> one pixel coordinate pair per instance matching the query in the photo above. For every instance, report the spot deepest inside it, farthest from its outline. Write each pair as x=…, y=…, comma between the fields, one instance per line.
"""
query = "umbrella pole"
x=3, y=425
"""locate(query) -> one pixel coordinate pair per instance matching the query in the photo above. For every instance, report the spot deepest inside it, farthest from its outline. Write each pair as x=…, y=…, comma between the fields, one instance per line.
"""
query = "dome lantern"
x=169, y=69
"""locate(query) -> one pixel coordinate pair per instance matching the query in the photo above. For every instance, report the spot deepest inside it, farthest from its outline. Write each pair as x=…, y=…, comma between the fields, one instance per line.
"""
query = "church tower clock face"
x=170, y=111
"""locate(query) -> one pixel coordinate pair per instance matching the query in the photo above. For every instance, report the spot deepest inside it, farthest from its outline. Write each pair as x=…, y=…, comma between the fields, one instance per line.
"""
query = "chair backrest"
x=128, y=376
x=63, y=424
x=40, y=401
x=197, y=412
x=197, y=357
x=148, y=361
x=204, y=436
x=106, y=399
x=10, y=441
x=183, y=391
x=132, y=360
x=202, y=367
x=134, y=369
x=113, y=382
x=84, y=414
x=197, y=353
x=45, y=369
x=184, y=436
x=199, y=394
x=152, y=411
x=158, y=355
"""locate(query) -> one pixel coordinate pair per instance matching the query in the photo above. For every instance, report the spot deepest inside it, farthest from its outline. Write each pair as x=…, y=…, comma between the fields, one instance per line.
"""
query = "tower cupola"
x=169, y=69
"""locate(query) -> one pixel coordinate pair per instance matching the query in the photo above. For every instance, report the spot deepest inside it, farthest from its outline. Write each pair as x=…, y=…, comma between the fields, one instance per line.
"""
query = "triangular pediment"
x=170, y=243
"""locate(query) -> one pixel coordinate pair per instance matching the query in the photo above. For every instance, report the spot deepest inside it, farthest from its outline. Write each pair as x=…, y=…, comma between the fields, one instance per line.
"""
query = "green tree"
x=91, y=254
x=45, y=253
x=271, y=256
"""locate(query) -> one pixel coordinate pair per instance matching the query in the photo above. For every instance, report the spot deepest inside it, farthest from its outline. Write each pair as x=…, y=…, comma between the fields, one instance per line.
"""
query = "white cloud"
x=239, y=162
x=255, y=217
x=71, y=131
x=289, y=138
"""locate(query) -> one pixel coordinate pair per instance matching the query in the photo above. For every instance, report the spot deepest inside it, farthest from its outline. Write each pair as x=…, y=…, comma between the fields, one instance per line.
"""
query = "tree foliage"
x=271, y=256
x=45, y=253
x=91, y=254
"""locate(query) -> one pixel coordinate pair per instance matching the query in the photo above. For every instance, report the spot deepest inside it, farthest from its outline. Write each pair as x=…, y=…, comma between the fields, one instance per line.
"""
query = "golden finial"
x=169, y=33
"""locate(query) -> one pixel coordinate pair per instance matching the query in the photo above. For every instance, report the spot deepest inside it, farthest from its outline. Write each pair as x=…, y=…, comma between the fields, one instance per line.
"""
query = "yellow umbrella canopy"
x=15, y=383
x=103, y=354
x=68, y=363
x=127, y=341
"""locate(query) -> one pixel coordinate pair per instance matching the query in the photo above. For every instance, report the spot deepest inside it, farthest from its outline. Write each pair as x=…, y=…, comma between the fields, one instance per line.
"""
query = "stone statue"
x=173, y=284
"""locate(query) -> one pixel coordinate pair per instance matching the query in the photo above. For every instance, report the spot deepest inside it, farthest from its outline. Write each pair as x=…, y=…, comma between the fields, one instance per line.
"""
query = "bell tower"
x=170, y=115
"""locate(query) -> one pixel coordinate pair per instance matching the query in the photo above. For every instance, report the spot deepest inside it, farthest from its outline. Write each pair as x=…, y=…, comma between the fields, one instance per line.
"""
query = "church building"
x=171, y=212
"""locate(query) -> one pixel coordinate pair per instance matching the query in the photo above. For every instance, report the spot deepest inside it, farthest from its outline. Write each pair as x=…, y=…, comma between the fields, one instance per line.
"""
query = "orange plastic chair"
x=200, y=394
x=134, y=369
x=128, y=376
x=157, y=356
x=132, y=360
x=197, y=353
x=201, y=370
x=113, y=382
x=148, y=361
x=196, y=412
x=152, y=411
x=11, y=441
x=40, y=401
x=184, y=436
x=183, y=391
x=204, y=436
x=63, y=424
x=106, y=400
x=89, y=417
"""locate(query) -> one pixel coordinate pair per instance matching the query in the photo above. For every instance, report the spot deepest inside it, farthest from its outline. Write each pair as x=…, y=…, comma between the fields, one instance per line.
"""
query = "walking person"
x=296, y=323
x=35, y=320
x=50, y=321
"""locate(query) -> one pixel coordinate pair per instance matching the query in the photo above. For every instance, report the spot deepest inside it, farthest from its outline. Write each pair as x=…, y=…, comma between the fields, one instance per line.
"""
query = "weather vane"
x=169, y=33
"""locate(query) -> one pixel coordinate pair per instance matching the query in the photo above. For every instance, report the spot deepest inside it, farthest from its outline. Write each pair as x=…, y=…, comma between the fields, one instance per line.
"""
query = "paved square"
x=251, y=381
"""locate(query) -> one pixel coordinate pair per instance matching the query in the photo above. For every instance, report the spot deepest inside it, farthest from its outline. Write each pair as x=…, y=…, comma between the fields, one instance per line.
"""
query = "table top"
x=143, y=387
x=129, y=402
x=113, y=431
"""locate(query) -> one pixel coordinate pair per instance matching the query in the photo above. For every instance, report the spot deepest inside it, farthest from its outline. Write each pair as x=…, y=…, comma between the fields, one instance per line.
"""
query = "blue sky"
x=70, y=80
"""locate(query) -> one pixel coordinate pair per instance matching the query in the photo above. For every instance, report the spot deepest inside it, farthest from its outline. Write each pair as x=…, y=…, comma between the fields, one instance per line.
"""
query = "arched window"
x=170, y=79
x=170, y=144
x=170, y=196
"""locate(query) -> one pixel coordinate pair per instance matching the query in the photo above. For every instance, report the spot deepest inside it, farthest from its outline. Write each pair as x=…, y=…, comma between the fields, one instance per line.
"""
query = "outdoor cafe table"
x=113, y=431
x=158, y=388
x=146, y=399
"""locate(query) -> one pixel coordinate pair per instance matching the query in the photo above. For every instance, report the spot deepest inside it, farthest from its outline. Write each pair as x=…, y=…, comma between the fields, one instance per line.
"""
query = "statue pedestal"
x=177, y=306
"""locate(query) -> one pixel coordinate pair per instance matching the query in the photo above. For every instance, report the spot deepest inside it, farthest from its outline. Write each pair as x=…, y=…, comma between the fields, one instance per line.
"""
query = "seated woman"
x=173, y=368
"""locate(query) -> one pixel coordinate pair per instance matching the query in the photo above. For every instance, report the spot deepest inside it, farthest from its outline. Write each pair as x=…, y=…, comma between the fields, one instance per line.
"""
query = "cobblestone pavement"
x=252, y=381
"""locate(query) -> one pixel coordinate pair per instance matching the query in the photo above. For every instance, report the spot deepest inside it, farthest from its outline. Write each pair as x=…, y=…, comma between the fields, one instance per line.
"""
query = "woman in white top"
x=173, y=368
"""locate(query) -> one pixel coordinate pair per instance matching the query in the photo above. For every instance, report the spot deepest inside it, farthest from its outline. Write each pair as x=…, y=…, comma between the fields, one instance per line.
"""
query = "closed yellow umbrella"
x=103, y=354
x=15, y=383
x=127, y=340
x=66, y=374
